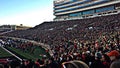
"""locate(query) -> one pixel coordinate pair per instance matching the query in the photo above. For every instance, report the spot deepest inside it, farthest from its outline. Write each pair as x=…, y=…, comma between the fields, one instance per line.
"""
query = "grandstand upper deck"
x=79, y=8
x=80, y=5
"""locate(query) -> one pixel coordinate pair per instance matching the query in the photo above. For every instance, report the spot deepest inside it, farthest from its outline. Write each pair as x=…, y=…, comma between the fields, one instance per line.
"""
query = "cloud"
x=29, y=18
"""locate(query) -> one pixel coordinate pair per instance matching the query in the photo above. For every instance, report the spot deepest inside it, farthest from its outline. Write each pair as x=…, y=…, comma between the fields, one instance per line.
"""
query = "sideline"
x=45, y=46
x=11, y=53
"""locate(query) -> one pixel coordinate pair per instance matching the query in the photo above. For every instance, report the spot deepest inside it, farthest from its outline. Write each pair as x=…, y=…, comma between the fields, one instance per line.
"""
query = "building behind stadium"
x=80, y=9
x=4, y=28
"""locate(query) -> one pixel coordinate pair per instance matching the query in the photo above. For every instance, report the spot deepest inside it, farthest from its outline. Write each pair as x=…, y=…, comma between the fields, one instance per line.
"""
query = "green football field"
x=38, y=51
x=3, y=53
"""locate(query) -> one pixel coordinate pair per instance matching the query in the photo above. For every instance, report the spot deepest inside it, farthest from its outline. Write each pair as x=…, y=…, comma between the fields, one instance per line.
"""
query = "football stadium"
x=84, y=34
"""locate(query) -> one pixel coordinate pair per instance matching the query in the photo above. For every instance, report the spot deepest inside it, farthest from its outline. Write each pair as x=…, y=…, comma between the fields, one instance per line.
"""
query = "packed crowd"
x=53, y=33
x=94, y=41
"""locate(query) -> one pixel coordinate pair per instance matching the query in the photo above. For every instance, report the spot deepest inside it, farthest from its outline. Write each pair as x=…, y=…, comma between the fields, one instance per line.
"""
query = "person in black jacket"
x=52, y=64
x=97, y=63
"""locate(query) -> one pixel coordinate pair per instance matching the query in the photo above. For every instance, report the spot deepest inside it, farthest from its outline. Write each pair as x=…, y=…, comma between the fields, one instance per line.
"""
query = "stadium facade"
x=80, y=9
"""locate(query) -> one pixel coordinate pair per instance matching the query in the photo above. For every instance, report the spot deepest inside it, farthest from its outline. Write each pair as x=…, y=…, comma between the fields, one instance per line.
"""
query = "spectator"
x=52, y=63
x=115, y=64
x=106, y=60
x=114, y=55
x=97, y=63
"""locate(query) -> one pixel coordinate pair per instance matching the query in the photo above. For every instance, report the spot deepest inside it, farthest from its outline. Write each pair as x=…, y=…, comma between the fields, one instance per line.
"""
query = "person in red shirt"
x=106, y=60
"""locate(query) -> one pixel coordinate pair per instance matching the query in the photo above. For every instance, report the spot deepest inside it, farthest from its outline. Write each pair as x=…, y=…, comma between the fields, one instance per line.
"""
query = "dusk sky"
x=26, y=12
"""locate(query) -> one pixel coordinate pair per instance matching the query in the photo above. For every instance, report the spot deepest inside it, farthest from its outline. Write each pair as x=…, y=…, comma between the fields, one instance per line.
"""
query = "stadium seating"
x=76, y=39
x=57, y=31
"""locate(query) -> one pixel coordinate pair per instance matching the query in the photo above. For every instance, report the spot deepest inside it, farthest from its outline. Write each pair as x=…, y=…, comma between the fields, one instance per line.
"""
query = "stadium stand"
x=83, y=29
x=82, y=39
x=76, y=9
x=93, y=40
